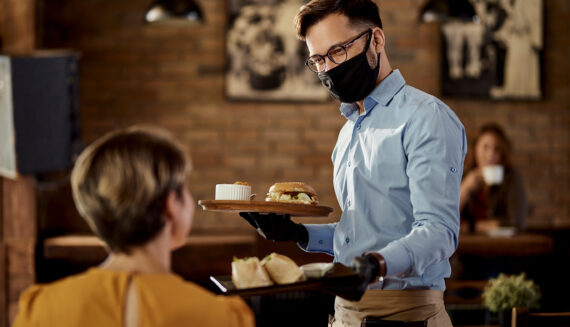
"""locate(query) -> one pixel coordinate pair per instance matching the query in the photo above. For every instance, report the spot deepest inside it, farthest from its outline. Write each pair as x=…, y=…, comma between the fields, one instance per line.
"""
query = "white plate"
x=502, y=232
x=317, y=269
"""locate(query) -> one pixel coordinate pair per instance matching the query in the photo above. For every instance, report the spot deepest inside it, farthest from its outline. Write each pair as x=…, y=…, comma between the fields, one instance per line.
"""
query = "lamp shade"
x=443, y=10
x=174, y=11
x=434, y=11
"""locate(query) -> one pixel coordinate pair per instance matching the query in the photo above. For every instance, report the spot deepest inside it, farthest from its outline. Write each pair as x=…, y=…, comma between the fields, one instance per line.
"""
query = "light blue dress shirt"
x=397, y=173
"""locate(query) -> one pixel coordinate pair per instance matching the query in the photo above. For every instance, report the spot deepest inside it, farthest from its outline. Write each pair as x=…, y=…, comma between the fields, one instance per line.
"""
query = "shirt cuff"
x=320, y=238
x=397, y=260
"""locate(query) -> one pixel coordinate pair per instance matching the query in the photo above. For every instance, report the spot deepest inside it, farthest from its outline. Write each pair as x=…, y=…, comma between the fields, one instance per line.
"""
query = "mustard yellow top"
x=97, y=298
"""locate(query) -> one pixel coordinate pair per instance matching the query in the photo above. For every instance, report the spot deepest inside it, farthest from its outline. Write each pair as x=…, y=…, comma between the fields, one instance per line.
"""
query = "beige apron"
x=403, y=305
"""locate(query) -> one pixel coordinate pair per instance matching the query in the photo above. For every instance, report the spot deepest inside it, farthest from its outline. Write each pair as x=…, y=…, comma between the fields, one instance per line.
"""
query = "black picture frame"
x=498, y=54
x=265, y=58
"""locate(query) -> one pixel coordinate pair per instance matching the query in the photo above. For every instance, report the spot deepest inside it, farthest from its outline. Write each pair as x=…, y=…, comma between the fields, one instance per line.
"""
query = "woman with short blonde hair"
x=130, y=186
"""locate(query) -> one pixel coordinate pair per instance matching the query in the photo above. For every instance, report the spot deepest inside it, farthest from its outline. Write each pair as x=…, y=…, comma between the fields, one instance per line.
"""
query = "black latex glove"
x=366, y=266
x=277, y=227
x=352, y=286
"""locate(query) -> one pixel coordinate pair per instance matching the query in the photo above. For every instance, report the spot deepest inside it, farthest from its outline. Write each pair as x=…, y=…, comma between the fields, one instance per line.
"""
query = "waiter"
x=398, y=163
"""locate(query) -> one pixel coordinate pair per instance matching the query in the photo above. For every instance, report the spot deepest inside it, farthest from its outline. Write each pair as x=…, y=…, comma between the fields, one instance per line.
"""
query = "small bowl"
x=233, y=192
x=317, y=269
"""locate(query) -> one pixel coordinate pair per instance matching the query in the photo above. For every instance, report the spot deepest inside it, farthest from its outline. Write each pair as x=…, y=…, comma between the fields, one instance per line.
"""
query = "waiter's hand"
x=276, y=227
x=367, y=266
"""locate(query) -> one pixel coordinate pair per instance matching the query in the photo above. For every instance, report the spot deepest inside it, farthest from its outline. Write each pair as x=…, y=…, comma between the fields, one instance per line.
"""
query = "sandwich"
x=282, y=269
x=249, y=273
x=274, y=268
x=292, y=192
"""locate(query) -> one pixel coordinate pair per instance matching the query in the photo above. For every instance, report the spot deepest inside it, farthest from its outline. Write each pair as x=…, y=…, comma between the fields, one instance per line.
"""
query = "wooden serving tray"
x=339, y=280
x=293, y=209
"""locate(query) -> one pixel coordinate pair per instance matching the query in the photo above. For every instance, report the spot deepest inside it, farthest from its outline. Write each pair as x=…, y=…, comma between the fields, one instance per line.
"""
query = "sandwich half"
x=282, y=269
x=248, y=273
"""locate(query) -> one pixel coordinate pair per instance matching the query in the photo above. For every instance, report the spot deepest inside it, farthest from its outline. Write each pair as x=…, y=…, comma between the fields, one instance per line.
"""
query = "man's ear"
x=379, y=39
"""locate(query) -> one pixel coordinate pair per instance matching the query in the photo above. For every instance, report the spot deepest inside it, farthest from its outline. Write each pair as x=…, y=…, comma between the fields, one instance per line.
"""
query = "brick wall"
x=172, y=76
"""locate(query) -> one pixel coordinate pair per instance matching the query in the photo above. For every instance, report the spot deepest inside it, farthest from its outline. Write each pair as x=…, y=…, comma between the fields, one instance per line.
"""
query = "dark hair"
x=121, y=181
x=363, y=12
x=498, y=131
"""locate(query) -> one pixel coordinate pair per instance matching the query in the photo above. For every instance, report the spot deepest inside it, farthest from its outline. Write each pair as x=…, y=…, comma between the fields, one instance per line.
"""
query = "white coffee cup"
x=493, y=174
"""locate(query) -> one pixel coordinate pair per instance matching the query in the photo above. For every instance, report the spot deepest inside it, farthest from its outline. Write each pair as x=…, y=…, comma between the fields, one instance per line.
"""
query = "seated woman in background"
x=492, y=189
x=131, y=188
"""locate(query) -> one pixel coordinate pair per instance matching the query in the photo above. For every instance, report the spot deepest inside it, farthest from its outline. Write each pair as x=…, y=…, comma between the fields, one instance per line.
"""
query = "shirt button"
x=453, y=169
x=347, y=240
x=348, y=203
x=348, y=164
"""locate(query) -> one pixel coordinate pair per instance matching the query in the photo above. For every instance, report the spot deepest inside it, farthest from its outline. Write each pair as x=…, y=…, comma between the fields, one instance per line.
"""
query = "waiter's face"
x=330, y=31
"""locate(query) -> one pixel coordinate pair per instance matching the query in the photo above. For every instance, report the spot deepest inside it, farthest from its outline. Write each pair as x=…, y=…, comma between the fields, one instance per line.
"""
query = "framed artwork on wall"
x=496, y=55
x=265, y=58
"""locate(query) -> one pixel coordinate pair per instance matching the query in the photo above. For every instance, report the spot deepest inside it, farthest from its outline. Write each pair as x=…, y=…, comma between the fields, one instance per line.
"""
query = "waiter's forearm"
x=423, y=247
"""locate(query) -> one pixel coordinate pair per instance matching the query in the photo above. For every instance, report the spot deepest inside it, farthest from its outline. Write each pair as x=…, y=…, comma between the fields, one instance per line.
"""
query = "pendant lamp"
x=174, y=12
x=443, y=10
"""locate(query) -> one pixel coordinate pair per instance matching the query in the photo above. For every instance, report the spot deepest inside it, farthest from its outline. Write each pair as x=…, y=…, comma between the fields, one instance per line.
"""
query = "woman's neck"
x=152, y=257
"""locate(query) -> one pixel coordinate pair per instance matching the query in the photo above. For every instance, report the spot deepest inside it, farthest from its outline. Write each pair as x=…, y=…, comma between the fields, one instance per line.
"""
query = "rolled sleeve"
x=435, y=145
x=435, y=165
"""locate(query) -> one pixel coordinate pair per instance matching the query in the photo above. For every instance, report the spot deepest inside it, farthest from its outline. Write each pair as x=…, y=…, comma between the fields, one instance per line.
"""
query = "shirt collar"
x=382, y=94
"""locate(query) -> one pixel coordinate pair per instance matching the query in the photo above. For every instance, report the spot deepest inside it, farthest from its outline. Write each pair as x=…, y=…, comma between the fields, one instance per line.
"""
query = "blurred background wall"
x=173, y=77
x=134, y=73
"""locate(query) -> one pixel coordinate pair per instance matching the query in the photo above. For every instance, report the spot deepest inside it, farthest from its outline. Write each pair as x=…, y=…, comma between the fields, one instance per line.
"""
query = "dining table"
x=482, y=254
x=524, y=244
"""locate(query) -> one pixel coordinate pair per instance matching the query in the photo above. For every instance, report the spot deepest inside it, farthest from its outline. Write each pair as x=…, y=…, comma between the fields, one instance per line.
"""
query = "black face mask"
x=352, y=80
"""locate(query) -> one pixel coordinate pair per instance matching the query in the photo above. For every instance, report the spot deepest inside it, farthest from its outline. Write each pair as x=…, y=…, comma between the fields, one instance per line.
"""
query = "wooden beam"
x=18, y=23
x=3, y=287
x=19, y=209
x=19, y=233
x=2, y=11
x=18, y=222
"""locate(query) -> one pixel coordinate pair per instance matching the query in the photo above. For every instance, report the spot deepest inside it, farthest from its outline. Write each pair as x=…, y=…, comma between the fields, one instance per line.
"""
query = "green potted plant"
x=508, y=291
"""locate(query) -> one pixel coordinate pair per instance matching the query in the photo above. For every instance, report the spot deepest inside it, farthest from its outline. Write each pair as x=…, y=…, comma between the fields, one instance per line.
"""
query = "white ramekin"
x=233, y=192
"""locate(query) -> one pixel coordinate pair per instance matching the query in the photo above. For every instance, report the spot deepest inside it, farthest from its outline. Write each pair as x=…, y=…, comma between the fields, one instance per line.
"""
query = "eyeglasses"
x=337, y=53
